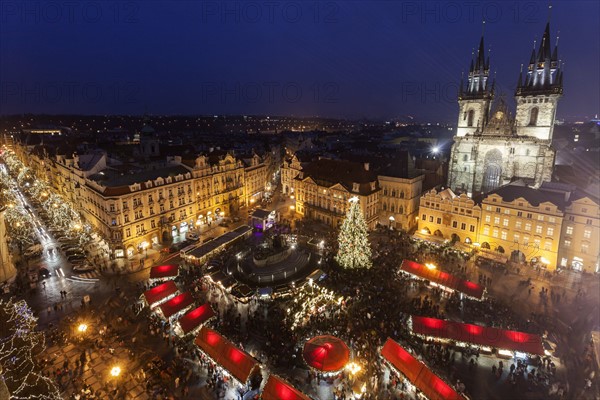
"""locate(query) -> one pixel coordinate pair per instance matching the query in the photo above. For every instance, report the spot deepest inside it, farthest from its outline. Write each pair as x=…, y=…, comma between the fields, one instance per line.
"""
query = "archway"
x=500, y=249
x=485, y=245
x=165, y=237
x=517, y=256
x=468, y=241
x=455, y=238
x=492, y=167
x=438, y=233
x=426, y=231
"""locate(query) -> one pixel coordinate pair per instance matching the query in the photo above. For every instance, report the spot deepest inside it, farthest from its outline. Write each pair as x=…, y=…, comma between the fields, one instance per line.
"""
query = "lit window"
x=569, y=230
x=527, y=227
x=495, y=233
x=505, y=222
x=486, y=230
x=550, y=231
x=497, y=220
x=518, y=225
x=503, y=235
x=538, y=229
x=487, y=218
x=584, y=248
x=548, y=245
x=567, y=243
x=587, y=233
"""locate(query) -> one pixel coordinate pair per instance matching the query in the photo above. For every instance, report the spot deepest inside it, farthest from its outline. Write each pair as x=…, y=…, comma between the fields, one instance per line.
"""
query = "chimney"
x=366, y=166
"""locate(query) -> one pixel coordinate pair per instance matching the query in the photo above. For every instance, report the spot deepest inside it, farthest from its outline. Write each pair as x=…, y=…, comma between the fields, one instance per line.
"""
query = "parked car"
x=75, y=258
x=74, y=253
x=193, y=236
x=83, y=268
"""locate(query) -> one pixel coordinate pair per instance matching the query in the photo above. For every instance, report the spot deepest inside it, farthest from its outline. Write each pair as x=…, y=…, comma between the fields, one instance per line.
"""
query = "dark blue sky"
x=376, y=59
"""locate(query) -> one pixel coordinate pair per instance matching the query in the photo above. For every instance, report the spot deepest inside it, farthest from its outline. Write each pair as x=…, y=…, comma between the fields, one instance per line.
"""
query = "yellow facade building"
x=324, y=187
x=448, y=216
x=579, y=248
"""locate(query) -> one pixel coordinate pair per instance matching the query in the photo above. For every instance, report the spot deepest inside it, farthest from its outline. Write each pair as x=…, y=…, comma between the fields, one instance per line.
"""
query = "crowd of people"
x=367, y=307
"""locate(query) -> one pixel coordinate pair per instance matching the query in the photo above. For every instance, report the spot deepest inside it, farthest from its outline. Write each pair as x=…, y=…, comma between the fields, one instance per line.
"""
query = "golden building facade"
x=324, y=187
x=399, y=200
x=579, y=247
x=446, y=215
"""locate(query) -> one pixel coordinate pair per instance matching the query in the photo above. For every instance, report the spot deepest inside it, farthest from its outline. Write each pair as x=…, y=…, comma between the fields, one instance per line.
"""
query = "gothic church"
x=491, y=147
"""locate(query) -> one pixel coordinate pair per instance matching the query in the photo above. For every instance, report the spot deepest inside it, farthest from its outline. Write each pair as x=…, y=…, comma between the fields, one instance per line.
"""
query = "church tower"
x=537, y=95
x=474, y=101
x=491, y=148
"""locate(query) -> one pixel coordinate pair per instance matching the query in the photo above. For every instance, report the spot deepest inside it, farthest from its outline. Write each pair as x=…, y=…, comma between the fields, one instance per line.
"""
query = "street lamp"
x=82, y=328
x=115, y=371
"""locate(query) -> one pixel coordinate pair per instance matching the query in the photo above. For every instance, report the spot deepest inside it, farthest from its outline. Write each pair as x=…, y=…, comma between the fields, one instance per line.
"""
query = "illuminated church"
x=492, y=147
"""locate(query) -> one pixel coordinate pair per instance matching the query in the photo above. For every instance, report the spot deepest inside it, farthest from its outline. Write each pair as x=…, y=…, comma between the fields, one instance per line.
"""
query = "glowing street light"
x=353, y=368
x=82, y=328
x=115, y=371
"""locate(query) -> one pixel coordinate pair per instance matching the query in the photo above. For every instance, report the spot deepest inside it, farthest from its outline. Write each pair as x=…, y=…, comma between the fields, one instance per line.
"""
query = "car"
x=76, y=258
x=76, y=252
x=71, y=248
x=236, y=219
x=224, y=224
x=192, y=236
x=83, y=268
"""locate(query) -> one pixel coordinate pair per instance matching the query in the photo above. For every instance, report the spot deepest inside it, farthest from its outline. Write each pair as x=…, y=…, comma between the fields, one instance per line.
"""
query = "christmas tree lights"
x=354, y=248
x=19, y=344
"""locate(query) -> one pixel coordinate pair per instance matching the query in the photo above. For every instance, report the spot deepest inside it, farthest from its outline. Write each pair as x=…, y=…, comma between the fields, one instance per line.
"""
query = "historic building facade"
x=324, y=187
x=491, y=147
x=579, y=247
x=399, y=200
x=446, y=215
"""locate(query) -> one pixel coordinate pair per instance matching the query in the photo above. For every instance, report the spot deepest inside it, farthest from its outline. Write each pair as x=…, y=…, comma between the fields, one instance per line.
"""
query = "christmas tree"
x=354, y=248
x=20, y=344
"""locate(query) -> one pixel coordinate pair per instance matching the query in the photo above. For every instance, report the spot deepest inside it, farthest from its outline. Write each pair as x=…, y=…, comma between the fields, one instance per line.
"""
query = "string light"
x=18, y=342
x=354, y=248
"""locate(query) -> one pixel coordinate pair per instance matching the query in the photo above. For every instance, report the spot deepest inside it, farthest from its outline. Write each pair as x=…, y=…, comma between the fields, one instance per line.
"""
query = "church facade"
x=492, y=147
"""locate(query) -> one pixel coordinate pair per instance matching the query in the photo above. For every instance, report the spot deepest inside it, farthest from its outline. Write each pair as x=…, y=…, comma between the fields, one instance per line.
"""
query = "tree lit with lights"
x=354, y=248
x=20, y=343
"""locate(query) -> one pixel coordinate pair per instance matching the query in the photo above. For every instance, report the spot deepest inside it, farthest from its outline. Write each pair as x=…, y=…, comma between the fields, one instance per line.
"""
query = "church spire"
x=477, y=81
x=543, y=73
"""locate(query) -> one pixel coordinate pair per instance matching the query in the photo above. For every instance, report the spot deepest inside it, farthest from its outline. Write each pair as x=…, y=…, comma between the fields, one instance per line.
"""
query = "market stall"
x=177, y=305
x=200, y=254
x=235, y=362
x=160, y=293
x=192, y=321
x=326, y=354
x=278, y=389
x=506, y=342
x=442, y=279
x=417, y=373
x=163, y=272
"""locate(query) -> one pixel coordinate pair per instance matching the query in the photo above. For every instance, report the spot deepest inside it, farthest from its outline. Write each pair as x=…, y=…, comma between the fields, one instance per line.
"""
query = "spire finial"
x=534, y=43
x=557, y=37
x=482, y=27
x=521, y=68
x=549, y=10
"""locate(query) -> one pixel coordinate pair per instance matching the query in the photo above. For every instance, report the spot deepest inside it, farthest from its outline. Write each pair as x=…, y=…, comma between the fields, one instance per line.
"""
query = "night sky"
x=337, y=59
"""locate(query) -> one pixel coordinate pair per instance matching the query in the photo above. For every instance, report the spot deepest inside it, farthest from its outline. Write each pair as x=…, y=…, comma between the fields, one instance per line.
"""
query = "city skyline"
x=338, y=60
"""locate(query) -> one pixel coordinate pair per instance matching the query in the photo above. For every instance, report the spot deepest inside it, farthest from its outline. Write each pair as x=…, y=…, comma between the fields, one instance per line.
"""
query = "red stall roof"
x=160, y=292
x=442, y=278
x=479, y=335
x=195, y=318
x=278, y=389
x=237, y=362
x=176, y=304
x=416, y=372
x=164, y=271
x=326, y=353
